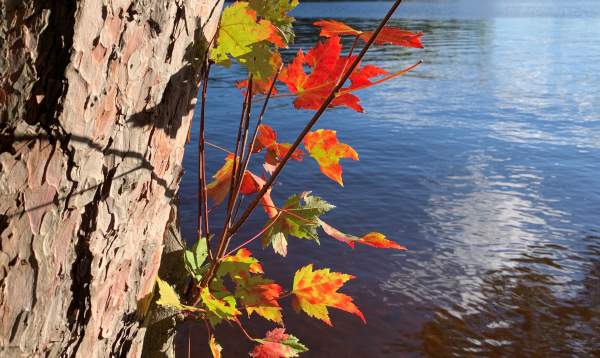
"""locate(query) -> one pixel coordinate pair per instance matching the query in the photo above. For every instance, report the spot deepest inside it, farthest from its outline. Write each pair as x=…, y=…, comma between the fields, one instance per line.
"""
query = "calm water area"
x=484, y=162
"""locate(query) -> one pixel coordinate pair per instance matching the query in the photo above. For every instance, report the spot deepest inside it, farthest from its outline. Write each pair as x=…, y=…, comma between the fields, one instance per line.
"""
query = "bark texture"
x=96, y=98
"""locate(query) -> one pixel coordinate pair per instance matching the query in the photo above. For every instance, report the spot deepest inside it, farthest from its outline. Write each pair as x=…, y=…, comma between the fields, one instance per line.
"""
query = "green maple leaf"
x=239, y=266
x=239, y=30
x=248, y=39
x=218, y=308
x=194, y=258
x=169, y=298
x=299, y=218
x=259, y=60
x=276, y=12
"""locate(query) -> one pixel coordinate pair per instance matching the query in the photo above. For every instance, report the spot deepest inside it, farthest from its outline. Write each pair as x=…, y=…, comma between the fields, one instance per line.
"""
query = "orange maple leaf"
x=218, y=189
x=388, y=35
x=258, y=86
x=314, y=291
x=260, y=295
x=325, y=148
x=374, y=239
x=330, y=28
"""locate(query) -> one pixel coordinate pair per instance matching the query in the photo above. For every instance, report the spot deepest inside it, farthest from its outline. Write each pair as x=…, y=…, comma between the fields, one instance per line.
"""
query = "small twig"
x=386, y=78
x=236, y=158
x=259, y=234
x=349, y=55
x=287, y=294
x=217, y=147
x=290, y=212
x=232, y=188
x=243, y=165
x=209, y=328
x=348, y=90
x=237, y=208
x=206, y=62
x=243, y=330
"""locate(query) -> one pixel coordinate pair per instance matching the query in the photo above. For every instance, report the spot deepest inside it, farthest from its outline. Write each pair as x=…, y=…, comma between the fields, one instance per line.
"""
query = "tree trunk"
x=96, y=98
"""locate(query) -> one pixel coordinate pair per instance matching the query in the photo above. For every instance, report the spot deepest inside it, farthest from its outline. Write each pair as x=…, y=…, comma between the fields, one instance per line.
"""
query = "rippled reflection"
x=523, y=311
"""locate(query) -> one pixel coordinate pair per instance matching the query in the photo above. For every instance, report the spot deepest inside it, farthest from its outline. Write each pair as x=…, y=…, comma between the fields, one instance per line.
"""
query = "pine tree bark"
x=96, y=98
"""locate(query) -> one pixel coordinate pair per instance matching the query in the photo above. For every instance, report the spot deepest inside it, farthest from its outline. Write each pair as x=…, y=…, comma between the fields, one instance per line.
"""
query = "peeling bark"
x=96, y=98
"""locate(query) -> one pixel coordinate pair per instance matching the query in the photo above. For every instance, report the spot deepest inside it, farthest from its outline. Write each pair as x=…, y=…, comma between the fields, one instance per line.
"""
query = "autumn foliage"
x=226, y=283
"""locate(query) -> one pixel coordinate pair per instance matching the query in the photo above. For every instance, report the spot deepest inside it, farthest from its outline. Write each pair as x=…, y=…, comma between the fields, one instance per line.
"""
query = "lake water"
x=484, y=162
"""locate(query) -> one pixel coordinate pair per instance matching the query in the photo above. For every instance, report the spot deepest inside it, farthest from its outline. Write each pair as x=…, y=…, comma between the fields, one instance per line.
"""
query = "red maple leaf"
x=267, y=139
x=278, y=344
x=327, y=66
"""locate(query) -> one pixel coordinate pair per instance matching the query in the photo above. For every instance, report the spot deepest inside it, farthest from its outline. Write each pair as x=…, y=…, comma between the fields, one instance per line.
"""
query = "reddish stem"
x=255, y=133
x=386, y=78
x=262, y=231
x=243, y=330
x=350, y=54
x=243, y=164
x=236, y=158
x=203, y=197
x=217, y=147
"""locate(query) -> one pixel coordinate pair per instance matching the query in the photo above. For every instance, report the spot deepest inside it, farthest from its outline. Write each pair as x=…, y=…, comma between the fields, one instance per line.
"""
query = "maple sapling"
x=223, y=282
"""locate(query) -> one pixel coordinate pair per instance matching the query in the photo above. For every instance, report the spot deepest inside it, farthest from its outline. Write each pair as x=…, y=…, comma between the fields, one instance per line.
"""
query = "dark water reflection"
x=484, y=162
x=524, y=310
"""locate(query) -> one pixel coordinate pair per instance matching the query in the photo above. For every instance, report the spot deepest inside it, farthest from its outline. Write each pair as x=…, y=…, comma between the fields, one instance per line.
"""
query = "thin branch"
x=259, y=234
x=348, y=90
x=349, y=55
x=217, y=147
x=236, y=158
x=287, y=294
x=203, y=192
x=255, y=133
x=233, y=188
x=243, y=165
x=243, y=330
x=386, y=78
x=206, y=62
x=209, y=328
x=291, y=213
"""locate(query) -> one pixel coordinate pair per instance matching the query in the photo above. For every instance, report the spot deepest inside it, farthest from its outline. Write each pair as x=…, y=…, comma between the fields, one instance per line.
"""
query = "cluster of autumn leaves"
x=251, y=32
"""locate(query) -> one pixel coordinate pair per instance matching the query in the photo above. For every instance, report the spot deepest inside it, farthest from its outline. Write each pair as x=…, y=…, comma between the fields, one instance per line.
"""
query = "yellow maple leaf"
x=314, y=291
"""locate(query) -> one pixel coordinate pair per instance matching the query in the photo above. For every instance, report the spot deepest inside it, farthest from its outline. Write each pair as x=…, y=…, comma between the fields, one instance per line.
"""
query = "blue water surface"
x=484, y=162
